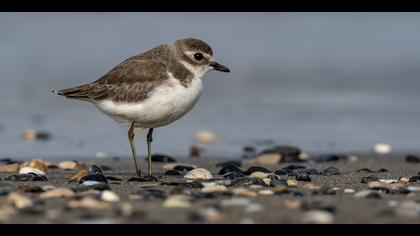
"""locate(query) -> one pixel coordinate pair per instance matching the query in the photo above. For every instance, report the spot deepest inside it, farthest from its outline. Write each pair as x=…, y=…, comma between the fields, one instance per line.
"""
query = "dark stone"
x=233, y=175
x=284, y=151
x=151, y=194
x=412, y=159
x=331, y=171
x=194, y=184
x=183, y=168
x=39, y=179
x=20, y=177
x=304, y=178
x=200, y=195
x=173, y=173
x=382, y=170
x=162, y=158
x=143, y=179
x=98, y=186
x=229, y=163
x=281, y=172
x=368, y=179
x=294, y=167
x=94, y=177
x=113, y=179
x=43, y=136
x=365, y=170
x=256, y=169
x=246, y=181
x=195, y=217
x=29, y=189
x=95, y=170
x=330, y=158
x=276, y=182
x=249, y=149
x=229, y=169
x=414, y=179
x=9, y=161
x=308, y=171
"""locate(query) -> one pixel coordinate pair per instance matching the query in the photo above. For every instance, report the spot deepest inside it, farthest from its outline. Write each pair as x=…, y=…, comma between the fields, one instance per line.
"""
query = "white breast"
x=168, y=103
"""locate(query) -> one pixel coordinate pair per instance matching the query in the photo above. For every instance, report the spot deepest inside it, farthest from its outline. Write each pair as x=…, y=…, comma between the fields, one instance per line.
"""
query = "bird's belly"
x=167, y=104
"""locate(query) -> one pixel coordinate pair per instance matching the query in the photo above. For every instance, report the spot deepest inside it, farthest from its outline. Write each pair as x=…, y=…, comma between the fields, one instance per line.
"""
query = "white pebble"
x=382, y=148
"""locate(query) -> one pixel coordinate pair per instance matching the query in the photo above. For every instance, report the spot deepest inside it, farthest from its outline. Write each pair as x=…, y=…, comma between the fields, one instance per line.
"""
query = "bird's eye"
x=198, y=56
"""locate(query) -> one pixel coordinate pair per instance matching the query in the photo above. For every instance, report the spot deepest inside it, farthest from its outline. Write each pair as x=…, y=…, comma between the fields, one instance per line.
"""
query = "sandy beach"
x=337, y=198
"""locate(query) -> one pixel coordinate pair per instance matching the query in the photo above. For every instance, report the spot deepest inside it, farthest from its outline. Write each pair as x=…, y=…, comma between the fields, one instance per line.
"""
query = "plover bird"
x=152, y=89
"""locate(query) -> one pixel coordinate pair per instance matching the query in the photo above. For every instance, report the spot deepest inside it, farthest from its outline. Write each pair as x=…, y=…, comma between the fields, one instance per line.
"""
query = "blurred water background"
x=326, y=82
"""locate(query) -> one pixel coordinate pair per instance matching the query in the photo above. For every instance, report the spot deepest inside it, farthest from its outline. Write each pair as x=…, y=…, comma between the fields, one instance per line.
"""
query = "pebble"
x=161, y=158
x=229, y=169
x=26, y=177
x=368, y=179
x=331, y=171
x=19, y=201
x=292, y=183
x=92, y=179
x=414, y=179
x=184, y=168
x=173, y=173
x=266, y=192
x=310, y=186
x=58, y=193
x=281, y=172
x=412, y=159
x=195, y=151
x=266, y=159
x=109, y=196
x=349, y=190
x=233, y=175
x=214, y=189
x=77, y=177
x=318, y=217
x=206, y=137
x=68, y=165
x=382, y=148
x=171, y=166
x=259, y=175
x=330, y=158
x=389, y=181
x=246, y=181
x=229, y=163
x=12, y=168
x=88, y=203
x=199, y=173
x=30, y=170
x=32, y=135
x=177, y=201
x=144, y=179
x=242, y=192
x=292, y=204
x=253, y=169
x=287, y=153
x=371, y=194
x=405, y=180
x=36, y=164
x=308, y=171
x=304, y=178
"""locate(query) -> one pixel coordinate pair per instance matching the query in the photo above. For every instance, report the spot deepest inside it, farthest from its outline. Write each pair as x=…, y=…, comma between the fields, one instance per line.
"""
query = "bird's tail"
x=79, y=92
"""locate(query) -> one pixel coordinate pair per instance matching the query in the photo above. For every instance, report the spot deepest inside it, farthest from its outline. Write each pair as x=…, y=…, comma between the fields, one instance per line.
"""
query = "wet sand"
x=343, y=207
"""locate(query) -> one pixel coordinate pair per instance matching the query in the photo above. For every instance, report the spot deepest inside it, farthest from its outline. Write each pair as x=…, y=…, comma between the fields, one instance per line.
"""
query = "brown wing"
x=131, y=81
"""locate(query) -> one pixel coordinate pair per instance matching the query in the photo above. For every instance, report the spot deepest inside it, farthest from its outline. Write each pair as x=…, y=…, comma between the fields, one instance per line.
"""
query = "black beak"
x=219, y=67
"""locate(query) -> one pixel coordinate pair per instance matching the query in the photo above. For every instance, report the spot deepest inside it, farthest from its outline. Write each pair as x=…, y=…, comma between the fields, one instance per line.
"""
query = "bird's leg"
x=149, y=149
x=133, y=148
